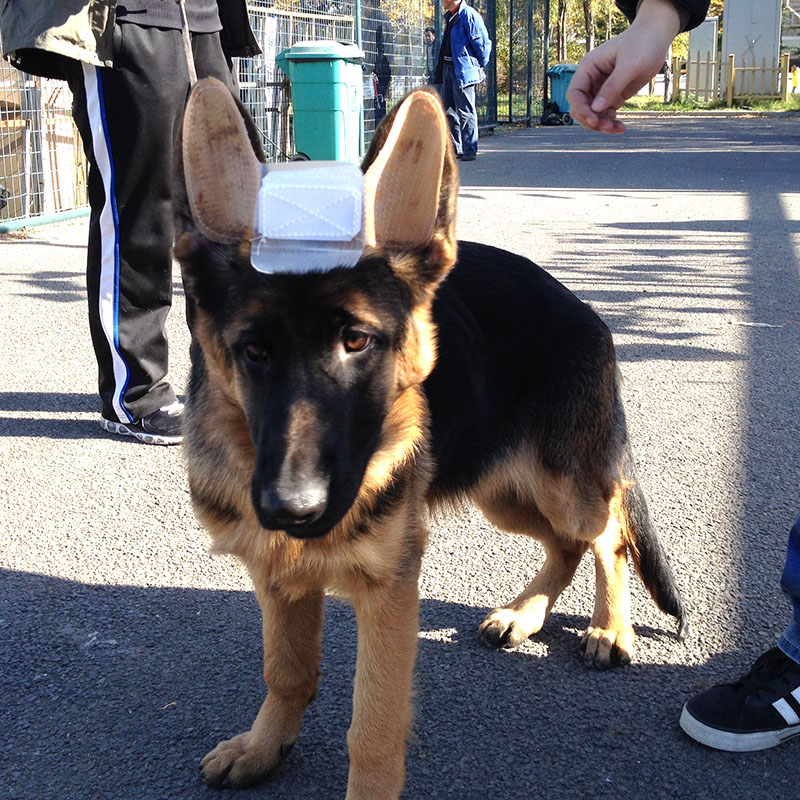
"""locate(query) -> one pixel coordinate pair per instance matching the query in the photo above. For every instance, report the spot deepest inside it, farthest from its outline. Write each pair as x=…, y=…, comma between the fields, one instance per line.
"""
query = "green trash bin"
x=560, y=75
x=327, y=89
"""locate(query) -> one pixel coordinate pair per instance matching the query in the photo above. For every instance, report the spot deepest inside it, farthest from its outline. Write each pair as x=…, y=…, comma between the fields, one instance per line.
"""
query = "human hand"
x=608, y=75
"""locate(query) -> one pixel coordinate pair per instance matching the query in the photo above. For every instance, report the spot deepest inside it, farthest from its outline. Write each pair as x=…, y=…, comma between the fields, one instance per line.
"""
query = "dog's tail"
x=649, y=556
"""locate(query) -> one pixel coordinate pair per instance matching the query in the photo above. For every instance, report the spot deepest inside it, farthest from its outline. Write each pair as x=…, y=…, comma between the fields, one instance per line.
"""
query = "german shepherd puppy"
x=328, y=410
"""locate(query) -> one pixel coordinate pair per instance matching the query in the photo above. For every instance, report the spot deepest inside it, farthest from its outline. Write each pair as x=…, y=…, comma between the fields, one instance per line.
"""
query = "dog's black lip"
x=299, y=532
x=303, y=530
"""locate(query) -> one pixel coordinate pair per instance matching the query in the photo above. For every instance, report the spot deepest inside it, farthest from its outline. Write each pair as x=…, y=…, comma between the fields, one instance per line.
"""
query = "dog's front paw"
x=505, y=627
x=241, y=762
x=605, y=648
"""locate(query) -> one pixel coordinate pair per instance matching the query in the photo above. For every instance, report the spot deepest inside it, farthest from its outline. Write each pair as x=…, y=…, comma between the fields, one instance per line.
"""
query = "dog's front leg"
x=388, y=624
x=292, y=631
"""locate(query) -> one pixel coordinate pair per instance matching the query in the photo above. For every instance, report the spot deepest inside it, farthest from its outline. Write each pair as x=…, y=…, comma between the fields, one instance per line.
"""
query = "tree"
x=603, y=19
x=588, y=22
x=576, y=27
x=715, y=9
x=562, y=30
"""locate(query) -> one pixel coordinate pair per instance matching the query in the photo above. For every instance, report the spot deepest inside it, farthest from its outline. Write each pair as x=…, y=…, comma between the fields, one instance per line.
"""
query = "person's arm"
x=613, y=72
x=692, y=12
x=479, y=42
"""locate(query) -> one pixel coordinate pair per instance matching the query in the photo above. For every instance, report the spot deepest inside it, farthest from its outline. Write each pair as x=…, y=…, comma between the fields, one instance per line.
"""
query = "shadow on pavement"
x=118, y=691
x=31, y=403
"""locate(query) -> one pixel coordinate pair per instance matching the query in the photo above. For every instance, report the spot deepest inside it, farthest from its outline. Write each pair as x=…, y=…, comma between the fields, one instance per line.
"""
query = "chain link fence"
x=520, y=70
x=42, y=165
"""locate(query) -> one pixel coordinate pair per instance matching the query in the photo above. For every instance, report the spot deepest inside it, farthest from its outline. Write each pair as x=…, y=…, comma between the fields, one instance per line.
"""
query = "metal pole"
x=437, y=20
x=546, y=45
x=42, y=219
x=357, y=15
x=491, y=76
x=510, y=60
x=529, y=99
x=359, y=42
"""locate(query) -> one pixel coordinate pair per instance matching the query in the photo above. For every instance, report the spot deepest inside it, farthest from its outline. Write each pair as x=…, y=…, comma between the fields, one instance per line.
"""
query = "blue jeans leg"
x=790, y=583
x=468, y=118
x=462, y=115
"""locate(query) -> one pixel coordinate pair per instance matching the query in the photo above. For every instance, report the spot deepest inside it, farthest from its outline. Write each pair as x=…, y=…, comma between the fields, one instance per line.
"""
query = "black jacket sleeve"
x=236, y=36
x=692, y=12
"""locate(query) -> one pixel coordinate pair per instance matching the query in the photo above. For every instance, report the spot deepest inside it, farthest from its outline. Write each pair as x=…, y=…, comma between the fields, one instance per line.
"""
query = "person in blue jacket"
x=464, y=52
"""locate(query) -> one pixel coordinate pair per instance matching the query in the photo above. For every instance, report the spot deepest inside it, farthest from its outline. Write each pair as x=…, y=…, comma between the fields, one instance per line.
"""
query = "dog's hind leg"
x=512, y=624
x=507, y=499
x=568, y=515
x=292, y=631
x=608, y=642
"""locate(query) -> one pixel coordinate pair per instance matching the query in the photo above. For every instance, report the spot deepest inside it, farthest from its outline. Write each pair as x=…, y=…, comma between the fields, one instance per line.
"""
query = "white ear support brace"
x=309, y=217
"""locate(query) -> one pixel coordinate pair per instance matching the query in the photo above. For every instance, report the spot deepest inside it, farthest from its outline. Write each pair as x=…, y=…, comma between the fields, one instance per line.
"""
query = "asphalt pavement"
x=127, y=650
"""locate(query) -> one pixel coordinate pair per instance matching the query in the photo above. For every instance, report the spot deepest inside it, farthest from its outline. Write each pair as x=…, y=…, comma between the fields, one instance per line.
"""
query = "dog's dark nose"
x=286, y=508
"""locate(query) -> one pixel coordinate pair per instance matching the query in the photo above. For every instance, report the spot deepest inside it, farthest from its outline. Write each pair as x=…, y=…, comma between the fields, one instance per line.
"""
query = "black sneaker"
x=160, y=427
x=760, y=710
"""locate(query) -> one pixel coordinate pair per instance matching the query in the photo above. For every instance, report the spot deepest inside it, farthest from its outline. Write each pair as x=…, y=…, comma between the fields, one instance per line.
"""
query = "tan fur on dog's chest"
x=359, y=552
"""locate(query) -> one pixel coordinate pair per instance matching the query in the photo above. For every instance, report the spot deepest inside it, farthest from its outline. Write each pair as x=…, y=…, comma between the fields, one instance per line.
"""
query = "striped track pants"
x=128, y=117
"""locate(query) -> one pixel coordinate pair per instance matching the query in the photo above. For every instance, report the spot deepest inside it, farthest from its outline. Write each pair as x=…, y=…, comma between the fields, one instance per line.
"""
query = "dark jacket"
x=470, y=45
x=36, y=34
x=237, y=36
x=692, y=12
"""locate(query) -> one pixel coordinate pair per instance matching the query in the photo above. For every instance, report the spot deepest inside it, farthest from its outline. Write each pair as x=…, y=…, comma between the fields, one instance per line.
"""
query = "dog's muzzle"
x=295, y=510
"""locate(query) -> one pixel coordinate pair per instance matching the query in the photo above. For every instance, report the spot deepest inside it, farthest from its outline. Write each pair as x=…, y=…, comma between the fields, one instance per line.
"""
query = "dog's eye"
x=254, y=352
x=354, y=340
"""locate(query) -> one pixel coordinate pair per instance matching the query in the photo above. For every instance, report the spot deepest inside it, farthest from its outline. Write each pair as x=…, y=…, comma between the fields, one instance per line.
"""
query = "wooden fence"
x=714, y=80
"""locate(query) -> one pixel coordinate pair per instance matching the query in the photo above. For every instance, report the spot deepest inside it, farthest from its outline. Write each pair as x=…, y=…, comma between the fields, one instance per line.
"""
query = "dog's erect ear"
x=221, y=167
x=410, y=178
